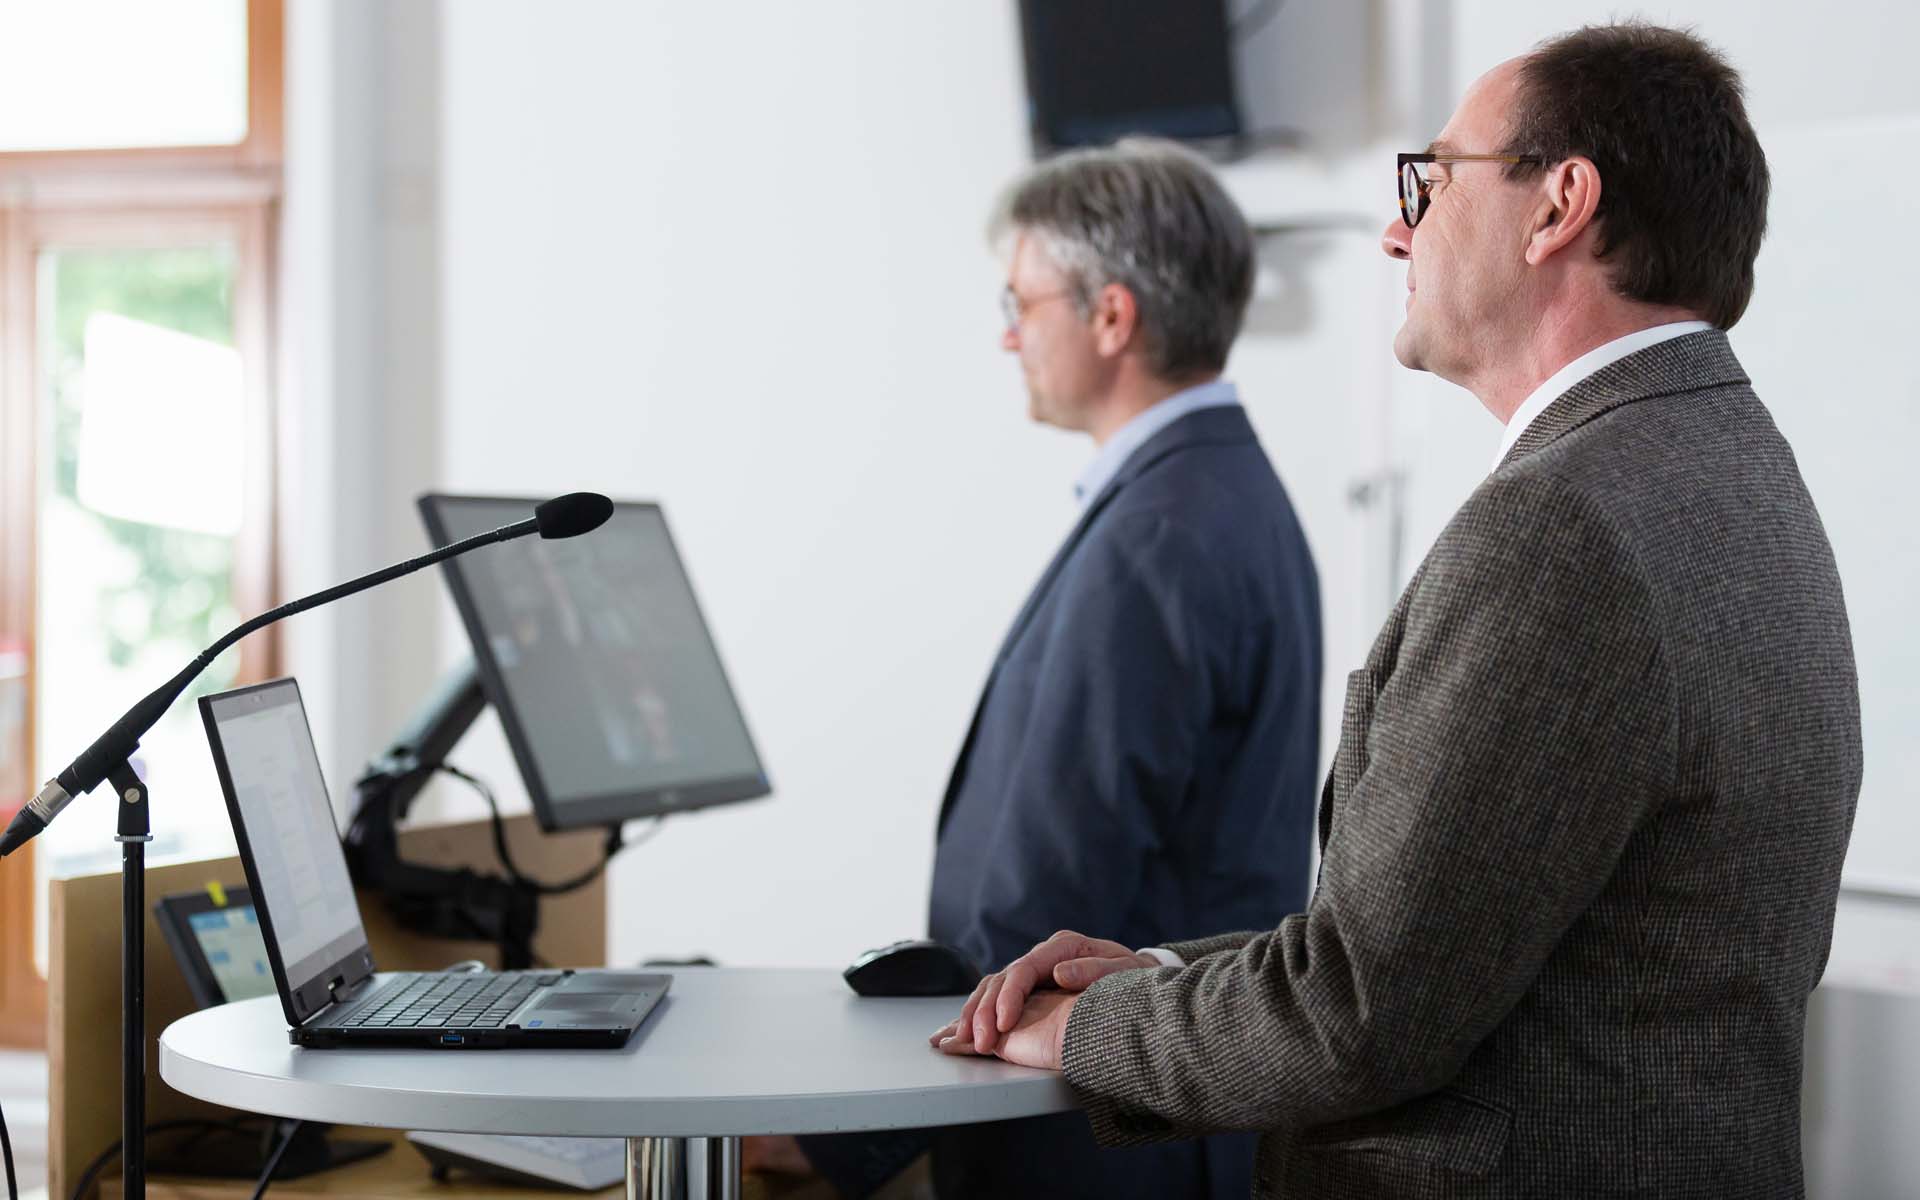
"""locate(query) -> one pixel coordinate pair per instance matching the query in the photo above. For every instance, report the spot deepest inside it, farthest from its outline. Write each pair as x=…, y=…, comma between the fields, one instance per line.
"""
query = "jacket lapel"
x=1683, y=364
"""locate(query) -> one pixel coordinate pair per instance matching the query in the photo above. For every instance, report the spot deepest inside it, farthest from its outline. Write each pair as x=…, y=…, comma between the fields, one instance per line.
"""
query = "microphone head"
x=572, y=514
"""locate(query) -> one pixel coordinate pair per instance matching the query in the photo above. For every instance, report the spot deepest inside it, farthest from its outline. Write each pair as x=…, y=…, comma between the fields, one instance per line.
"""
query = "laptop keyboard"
x=450, y=1002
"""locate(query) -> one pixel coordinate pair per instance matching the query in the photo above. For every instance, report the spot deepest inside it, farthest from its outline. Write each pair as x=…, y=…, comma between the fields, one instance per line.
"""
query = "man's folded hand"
x=1036, y=1038
x=1069, y=961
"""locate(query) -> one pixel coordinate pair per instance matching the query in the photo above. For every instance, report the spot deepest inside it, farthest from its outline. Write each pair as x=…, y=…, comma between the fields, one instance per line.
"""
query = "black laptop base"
x=462, y=1039
x=557, y=1010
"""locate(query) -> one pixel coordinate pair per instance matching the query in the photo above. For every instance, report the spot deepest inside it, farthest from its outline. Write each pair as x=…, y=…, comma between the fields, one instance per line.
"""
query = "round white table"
x=728, y=1052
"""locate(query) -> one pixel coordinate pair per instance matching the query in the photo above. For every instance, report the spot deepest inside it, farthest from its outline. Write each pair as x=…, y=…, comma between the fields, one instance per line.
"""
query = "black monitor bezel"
x=608, y=808
x=174, y=915
x=355, y=964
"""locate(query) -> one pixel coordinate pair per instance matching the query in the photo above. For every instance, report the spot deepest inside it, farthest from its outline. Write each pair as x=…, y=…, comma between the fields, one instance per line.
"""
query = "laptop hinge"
x=340, y=991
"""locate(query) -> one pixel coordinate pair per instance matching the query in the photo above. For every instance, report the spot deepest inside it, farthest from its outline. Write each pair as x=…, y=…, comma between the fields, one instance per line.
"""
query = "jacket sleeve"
x=1198, y=948
x=1123, y=692
x=1525, y=730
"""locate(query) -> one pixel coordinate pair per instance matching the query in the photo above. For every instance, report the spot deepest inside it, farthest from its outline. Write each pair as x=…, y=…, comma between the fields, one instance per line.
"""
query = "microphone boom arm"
x=122, y=738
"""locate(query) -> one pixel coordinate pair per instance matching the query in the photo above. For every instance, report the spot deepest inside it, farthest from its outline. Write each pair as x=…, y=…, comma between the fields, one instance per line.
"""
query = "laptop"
x=316, y=944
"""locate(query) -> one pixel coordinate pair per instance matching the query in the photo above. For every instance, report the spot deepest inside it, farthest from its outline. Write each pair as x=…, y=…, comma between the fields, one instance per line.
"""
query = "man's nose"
x=1397, y=239
x=1010, y=339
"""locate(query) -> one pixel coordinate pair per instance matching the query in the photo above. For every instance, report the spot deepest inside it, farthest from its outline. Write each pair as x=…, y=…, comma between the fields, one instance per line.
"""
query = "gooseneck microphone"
x=562, y=517
x=107, y=759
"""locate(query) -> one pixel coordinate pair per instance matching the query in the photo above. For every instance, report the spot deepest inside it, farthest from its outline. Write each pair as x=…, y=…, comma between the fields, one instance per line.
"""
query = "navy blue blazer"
x=1141, y=764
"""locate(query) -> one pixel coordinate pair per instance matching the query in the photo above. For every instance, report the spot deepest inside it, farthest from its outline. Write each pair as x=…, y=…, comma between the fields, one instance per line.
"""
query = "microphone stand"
x=135, y=832
x=107, y=759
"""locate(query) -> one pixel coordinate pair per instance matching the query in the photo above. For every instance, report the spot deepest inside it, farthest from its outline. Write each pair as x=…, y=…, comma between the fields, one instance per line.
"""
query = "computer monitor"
x=215, y=938
x=1098, y=70
x=594, y=653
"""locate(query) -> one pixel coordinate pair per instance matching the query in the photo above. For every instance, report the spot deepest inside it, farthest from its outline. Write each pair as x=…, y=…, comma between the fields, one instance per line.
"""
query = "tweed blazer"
x=1581, y=842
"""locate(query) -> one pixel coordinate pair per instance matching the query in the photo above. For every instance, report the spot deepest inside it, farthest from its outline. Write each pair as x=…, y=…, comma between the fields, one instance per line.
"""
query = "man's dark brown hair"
x=1683, y=181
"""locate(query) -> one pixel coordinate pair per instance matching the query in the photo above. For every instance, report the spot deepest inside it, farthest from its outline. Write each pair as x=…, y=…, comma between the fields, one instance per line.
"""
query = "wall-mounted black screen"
x=1100, y=69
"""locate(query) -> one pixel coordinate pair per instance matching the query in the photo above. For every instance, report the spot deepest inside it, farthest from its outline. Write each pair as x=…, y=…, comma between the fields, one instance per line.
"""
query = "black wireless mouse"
x=913, y=968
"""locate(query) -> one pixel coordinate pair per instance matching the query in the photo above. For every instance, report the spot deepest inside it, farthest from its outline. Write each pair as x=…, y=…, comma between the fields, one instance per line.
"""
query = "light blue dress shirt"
x=1136, y=433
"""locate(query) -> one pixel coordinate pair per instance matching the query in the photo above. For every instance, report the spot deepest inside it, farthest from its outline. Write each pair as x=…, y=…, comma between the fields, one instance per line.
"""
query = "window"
x=136, y=421
x=69, y=70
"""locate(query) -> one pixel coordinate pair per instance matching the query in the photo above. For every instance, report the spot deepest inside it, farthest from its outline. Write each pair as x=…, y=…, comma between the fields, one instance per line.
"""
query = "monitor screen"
x=229, y=939
x=594, y=653
x=268, y=764
x=216, y=940
x=1098, y=70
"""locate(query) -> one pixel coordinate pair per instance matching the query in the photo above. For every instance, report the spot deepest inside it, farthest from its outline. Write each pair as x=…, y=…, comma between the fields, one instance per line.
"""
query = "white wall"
x=734, y=264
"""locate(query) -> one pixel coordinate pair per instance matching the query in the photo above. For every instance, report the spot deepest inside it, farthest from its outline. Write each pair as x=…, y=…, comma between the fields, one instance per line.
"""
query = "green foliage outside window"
x=181, y=580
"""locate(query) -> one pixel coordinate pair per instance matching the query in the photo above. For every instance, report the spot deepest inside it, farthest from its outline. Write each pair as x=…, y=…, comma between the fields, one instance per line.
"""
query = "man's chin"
x=1406, y=348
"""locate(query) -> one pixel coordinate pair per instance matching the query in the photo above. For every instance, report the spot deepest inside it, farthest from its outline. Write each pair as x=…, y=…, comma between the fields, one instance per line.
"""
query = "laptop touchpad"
x=583, y=1005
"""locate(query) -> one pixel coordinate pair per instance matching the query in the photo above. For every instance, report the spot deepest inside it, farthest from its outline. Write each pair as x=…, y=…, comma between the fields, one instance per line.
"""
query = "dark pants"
x=1046, y=1158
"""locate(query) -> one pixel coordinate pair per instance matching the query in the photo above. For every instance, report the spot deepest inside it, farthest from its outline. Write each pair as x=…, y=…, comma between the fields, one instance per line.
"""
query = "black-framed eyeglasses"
x=1416, y=190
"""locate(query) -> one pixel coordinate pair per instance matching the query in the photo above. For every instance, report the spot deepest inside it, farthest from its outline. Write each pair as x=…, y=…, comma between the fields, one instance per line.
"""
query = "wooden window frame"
x=23, y=992
x=133, y=197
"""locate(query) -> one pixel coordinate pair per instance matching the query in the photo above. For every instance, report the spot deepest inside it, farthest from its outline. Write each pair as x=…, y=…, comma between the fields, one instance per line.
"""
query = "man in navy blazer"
x=1143, y=758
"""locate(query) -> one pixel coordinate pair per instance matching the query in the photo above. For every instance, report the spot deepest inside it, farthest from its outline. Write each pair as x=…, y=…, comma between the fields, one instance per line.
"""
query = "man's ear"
x=1569, y=196
x=1116, y=318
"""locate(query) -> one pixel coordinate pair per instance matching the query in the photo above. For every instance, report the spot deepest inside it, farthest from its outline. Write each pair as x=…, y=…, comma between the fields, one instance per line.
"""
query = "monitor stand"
x=239, y=1154
x=437, y=901
x=441, y=902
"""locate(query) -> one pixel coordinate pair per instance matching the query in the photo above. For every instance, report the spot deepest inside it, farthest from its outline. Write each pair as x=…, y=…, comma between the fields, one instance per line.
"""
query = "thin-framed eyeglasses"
x=1416, y=190
x=1014, y=307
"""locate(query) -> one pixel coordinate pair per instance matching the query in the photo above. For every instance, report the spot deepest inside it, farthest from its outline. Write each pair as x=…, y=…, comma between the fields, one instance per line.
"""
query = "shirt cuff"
x=1163, y=956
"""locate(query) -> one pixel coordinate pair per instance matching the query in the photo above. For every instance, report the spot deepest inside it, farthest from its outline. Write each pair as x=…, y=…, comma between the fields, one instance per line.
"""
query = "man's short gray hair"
x=1146, y=214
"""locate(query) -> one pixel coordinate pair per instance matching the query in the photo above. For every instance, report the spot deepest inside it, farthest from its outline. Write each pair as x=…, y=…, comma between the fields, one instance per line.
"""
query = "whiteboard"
x=1832, y=342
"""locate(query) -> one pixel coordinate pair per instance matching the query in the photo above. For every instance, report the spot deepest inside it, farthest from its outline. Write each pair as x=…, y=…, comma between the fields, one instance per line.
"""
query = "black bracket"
x=444, y=902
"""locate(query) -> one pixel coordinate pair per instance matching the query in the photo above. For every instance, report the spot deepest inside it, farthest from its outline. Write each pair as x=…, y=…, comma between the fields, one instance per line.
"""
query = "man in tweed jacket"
x=1582, y=839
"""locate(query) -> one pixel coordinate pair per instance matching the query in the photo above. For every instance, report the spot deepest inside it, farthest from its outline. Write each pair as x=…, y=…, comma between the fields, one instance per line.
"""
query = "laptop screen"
x=285, y=824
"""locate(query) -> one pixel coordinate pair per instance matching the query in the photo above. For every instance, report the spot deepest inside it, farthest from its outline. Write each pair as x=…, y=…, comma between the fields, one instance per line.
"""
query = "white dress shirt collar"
x=1108, y=460
x=1561, y=382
